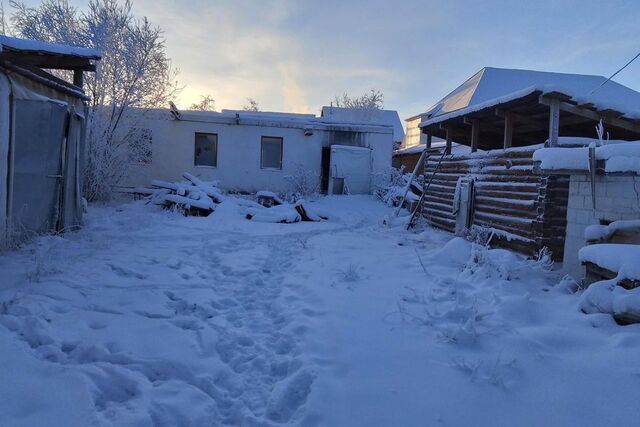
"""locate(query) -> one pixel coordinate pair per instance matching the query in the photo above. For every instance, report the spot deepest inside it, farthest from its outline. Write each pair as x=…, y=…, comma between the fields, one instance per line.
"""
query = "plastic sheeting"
x=350, y=170
x=38, y=136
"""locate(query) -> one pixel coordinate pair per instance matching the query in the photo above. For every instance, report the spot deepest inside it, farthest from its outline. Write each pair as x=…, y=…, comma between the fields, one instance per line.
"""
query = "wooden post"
x=448, y=147
x=554, y=121
x=429, y=138
x=77, y=78
x=475, y=134
x=508, y=131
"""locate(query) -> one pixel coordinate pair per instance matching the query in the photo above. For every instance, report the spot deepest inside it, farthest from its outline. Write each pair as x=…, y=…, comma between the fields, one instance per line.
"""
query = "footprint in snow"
x=124, y=272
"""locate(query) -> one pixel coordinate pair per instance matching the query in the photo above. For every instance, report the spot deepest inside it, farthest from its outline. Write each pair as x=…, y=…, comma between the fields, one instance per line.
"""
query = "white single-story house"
x=42, y=135
x=253, y=151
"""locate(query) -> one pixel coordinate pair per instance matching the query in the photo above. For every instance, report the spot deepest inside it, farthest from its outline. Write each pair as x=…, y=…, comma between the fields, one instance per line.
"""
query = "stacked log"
x=192, y=197
x=523, y=210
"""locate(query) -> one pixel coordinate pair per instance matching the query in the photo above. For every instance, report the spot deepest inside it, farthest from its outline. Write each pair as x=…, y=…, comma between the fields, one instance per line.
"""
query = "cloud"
x=294, y=97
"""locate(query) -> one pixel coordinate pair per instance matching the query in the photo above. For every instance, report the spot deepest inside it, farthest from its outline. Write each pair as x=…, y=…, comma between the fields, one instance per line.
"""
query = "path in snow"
x=145, y=318
x=166, y=324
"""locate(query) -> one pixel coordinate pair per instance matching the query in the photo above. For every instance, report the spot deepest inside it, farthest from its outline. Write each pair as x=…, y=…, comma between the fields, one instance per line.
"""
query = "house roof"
x=277, y=119
x=47, y=55
x=492, y=86
x=270, y=114
x=362, y=115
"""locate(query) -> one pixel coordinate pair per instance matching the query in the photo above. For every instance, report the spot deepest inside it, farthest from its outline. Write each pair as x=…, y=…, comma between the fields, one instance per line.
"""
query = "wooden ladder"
x=418, y=208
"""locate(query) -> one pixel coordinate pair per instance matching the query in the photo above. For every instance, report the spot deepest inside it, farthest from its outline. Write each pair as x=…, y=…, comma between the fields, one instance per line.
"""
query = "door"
x=38, y=138
x=463, y=205
x=350, y=170
x=72, y=195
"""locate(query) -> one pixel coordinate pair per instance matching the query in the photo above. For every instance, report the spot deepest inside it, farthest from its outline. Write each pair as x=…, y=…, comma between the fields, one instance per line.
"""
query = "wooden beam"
x=554, y=120
x=475, y=134
x=519, y=118
x=429, y=140
x=57, y=62
x=448, y=146
x=593, y=115
x=508, y=131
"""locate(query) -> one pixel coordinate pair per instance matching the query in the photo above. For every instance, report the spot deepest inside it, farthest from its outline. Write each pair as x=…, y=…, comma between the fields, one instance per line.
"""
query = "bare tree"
x=207, y=103
x=3, y=20
x=374, y=99
x=252, y=105
x=134, y=73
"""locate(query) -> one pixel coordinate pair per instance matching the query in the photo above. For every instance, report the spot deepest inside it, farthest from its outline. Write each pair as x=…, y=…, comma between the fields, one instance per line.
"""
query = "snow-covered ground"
x=147, y=318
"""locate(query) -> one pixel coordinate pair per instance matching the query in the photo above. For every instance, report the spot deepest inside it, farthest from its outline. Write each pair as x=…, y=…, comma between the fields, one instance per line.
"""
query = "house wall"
x=239, y=154
x=5, y=90
x=617, y=198
x=413, y=135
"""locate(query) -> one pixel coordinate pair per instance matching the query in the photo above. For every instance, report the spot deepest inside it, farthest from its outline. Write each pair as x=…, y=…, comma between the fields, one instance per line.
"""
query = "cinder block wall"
x=617, y=198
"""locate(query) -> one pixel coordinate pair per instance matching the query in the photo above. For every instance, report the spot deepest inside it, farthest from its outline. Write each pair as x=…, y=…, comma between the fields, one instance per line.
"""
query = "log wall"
x=524, y=210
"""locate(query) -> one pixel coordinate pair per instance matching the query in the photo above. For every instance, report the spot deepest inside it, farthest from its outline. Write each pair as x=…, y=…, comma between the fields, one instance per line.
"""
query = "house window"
x=140, y=145
x=271, y=153
x=206, y=149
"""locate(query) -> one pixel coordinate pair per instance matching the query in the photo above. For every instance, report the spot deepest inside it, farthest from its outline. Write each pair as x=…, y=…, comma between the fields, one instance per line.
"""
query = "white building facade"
x=253, y=151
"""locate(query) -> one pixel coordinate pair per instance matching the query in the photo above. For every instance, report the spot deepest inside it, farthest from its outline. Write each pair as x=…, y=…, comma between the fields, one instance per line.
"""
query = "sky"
x=296, y=56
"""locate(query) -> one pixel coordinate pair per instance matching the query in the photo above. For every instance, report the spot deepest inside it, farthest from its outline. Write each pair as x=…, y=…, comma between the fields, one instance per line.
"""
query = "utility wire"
x=616, y=73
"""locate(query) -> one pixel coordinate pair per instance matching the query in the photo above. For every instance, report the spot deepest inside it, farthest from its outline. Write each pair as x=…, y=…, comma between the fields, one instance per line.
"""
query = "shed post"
x=429, y=138
x=448, y=147
x=475, y=134
x=77, y=78
x=508, y=131
x=554, y=120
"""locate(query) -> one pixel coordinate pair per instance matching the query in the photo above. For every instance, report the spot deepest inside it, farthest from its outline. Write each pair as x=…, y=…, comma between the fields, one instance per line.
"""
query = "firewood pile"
x=193, y=196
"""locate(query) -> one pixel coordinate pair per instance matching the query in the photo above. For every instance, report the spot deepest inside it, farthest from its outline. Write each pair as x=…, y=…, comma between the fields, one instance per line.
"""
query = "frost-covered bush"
x=389, y=186
x=134, y=73
x=303, y=183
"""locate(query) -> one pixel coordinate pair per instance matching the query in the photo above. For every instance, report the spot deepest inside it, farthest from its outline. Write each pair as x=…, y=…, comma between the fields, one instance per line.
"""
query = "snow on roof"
x=36, y=46
x=269, y=114
x=366, y=115
x=278, y=119
x=492, y=86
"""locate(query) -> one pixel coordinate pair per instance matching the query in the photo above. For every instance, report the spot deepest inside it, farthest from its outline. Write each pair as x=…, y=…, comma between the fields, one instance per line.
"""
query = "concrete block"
x=586, y=217
x=604, y=203
x=575, y=202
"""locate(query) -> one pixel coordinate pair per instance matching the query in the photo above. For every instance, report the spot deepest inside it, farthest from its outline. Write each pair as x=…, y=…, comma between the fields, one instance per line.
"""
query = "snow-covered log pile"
x=522, y=210
x=201, y=198
x=193, y=196
x=612, y=157
x=619, y=293
x=286, y=213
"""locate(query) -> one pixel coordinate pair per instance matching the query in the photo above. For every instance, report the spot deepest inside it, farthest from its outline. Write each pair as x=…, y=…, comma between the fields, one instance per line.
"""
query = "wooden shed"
x=503, y=116
x=42, y=133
